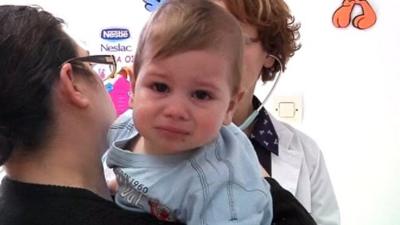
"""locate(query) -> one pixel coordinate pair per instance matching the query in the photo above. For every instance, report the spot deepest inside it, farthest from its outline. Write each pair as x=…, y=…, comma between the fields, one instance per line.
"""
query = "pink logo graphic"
x=120, y=94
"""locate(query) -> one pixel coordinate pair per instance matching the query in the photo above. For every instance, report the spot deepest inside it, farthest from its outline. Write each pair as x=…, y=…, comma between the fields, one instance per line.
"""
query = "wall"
x=349, y=81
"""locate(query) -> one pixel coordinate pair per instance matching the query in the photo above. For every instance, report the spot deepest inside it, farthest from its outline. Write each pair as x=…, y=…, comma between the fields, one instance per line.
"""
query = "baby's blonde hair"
x=184, y=25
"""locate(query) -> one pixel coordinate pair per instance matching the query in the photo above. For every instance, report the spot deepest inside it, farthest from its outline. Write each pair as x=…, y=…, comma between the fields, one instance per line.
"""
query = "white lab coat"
x=300, y=168
x=2, y=172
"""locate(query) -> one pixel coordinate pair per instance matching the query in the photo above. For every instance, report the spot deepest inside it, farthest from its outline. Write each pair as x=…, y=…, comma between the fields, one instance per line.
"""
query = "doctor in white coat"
x=300, y=168
x=289, y=156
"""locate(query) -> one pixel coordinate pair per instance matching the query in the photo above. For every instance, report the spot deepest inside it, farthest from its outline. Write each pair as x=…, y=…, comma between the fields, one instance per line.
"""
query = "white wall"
x=348, y=78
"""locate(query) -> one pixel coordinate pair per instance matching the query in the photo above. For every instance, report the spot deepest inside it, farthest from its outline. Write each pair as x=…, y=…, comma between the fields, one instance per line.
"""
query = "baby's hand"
x=112, y=185
x=264, y=173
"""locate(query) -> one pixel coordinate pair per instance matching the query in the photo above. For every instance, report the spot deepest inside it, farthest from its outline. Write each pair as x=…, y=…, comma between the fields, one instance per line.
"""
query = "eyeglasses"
x=103, y=66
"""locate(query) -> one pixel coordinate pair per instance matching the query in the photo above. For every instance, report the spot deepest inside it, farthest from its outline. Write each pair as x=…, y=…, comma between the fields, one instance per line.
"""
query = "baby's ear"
x=132, y=79
x=232, y=107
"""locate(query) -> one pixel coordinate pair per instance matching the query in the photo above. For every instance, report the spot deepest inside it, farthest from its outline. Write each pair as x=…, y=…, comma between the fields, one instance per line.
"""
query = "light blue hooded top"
x=219, y=183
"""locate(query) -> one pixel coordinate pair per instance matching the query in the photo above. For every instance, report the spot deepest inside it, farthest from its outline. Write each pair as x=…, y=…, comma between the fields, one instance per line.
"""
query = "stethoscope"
x=255, y=113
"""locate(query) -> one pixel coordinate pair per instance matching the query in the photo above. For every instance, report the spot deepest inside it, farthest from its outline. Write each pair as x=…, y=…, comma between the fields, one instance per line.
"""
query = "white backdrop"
x=349, y=81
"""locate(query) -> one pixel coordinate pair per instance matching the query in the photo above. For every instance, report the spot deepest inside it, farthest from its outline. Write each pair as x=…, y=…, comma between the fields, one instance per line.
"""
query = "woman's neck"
x=60, y=167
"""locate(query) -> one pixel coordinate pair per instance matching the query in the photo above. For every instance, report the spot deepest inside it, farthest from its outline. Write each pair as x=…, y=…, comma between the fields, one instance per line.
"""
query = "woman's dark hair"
x=32, y=48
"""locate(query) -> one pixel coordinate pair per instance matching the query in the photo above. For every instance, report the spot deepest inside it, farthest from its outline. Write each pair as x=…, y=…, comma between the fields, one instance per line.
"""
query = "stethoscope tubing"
x=249, y=120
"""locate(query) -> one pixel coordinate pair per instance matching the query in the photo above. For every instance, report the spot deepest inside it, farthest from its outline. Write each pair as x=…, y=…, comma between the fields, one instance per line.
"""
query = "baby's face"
x=180, y=102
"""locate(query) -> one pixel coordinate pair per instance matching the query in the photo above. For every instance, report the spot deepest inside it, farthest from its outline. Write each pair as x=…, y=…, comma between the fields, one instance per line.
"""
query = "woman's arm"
x=286, y=208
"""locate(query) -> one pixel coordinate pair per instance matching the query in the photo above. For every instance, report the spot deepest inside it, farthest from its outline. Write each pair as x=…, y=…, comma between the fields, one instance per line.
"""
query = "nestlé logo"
x=115, y=34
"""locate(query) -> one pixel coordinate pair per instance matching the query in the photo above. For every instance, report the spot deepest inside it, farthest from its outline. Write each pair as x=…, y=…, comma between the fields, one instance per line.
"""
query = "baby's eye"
x=160, y=87
x=201, y=95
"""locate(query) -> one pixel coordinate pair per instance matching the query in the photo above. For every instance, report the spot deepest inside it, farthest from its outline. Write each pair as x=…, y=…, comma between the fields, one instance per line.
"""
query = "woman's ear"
x=232, y=107
x=269, y=61
x=72, y=89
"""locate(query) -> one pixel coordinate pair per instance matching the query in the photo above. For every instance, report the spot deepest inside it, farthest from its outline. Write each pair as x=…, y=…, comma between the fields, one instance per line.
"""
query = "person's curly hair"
x=277, y=29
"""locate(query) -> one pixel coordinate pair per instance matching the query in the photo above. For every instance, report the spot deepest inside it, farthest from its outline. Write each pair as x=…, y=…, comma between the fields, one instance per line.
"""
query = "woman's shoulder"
x=26, y=203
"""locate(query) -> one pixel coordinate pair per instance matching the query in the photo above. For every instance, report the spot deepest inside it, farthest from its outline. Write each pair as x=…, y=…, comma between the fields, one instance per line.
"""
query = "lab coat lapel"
x=286, y=167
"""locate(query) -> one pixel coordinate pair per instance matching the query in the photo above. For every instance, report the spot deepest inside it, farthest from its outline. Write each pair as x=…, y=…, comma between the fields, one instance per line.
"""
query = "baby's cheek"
x=210, y=128
x=140, y=117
